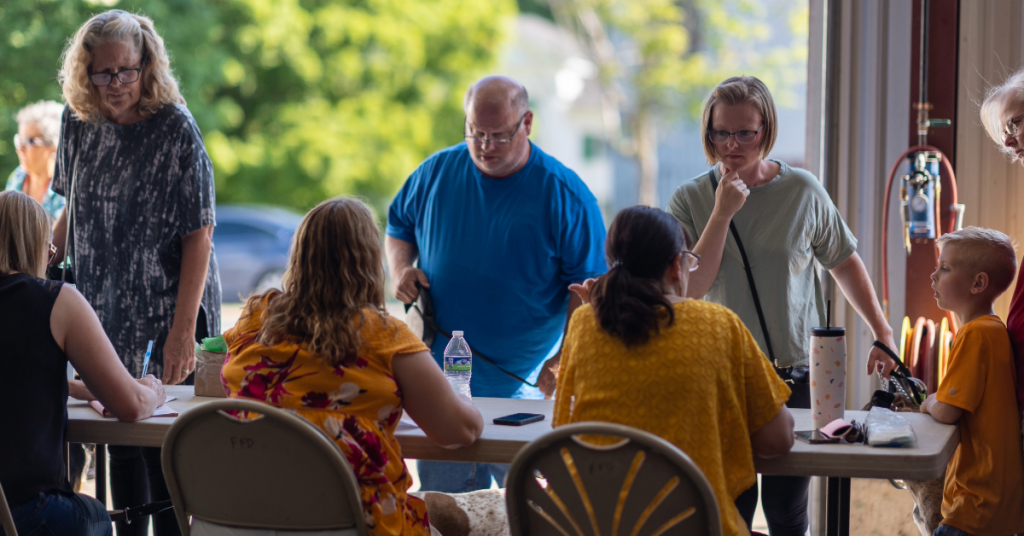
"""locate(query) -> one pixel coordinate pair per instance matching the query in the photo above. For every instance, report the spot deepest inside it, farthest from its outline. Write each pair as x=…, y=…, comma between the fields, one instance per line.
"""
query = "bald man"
x=500, y=230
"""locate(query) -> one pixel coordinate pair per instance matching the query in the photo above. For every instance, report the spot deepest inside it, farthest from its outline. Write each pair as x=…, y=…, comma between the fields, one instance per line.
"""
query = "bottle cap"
x=456, y=334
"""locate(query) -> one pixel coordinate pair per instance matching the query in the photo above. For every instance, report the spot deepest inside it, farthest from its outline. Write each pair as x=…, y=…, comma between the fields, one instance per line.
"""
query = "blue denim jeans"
x=946, y=530
x=458, y=477
x=61, y=513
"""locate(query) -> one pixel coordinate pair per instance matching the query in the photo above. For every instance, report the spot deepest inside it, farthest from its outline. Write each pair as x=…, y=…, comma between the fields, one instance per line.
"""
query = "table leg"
x=837, y=510
x=101, y=473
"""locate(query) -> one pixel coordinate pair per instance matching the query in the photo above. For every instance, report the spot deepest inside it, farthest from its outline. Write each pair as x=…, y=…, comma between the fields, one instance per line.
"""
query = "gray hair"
x=994, y=106
x=46, y=116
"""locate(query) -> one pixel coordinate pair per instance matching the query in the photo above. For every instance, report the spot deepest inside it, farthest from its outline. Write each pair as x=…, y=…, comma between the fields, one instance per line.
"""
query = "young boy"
x=984, y=491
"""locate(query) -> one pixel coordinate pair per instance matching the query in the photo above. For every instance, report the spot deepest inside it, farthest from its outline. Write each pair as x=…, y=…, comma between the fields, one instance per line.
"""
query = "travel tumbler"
x=828, y=375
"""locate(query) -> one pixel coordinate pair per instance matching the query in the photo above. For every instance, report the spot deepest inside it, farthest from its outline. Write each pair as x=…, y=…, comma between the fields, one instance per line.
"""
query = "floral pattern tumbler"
x=828, y=375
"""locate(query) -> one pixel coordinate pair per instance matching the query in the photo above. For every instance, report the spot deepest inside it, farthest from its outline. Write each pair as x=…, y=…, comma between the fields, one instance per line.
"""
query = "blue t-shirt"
x=500, y=255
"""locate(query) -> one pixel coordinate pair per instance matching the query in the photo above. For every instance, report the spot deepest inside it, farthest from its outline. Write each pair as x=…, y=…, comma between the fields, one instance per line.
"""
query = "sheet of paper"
x=405, y=423
x=163, y=411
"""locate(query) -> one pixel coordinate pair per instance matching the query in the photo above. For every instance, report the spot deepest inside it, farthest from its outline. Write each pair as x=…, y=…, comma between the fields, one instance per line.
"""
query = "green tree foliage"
x=657, y=59
x=298, y=100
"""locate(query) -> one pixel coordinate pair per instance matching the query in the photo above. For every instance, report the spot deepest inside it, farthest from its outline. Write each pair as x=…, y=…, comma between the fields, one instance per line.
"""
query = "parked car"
x=252, y=245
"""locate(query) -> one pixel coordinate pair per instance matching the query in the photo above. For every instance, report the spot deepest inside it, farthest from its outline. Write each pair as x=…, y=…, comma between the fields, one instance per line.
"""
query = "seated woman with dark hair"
x=326, y=348
x=44, y=324
x=643, y=355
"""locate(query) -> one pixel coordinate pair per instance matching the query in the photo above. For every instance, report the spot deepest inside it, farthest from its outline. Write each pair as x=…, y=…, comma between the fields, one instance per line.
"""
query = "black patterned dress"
x=139, y=189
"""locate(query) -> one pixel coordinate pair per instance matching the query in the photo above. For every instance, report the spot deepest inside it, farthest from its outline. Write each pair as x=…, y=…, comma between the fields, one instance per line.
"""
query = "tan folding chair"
x=6, y=519
x=276, y=472
x=642, y=484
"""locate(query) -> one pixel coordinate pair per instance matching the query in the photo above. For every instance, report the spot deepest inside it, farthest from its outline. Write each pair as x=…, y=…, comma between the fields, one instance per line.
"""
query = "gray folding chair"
x=561, y=485
x=6, y=519
x=276, y=472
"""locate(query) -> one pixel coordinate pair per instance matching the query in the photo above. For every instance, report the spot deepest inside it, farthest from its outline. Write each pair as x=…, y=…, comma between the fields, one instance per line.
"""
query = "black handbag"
x=798, y=378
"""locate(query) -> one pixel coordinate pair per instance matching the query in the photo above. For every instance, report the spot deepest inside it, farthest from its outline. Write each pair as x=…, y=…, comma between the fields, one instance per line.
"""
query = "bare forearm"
x=60, y=230
x=78, y=390
x=855, y=283
x=710, y=247
x=942, y=412
x=401, y=254
x=195, y=262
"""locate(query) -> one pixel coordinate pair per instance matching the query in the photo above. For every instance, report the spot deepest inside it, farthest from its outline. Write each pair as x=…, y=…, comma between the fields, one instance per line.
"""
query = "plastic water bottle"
x=458, y=364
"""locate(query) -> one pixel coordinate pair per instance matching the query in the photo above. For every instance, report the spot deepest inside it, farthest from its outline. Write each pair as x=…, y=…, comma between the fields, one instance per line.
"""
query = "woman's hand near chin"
x=731, y=194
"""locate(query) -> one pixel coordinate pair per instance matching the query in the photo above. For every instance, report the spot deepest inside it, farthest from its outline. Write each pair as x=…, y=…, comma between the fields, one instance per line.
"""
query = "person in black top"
x=44, y=324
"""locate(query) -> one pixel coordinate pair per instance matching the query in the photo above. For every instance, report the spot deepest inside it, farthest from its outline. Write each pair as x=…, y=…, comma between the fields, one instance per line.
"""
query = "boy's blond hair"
x=985, y=250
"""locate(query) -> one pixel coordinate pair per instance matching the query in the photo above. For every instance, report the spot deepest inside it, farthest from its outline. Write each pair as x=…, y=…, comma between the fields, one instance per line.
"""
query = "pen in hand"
x=145, y=360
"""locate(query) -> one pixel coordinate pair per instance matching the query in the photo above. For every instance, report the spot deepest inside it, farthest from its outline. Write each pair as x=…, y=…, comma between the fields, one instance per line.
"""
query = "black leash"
x=428, y=323
x=138, y=512
x=901, y=372
x=750, y=281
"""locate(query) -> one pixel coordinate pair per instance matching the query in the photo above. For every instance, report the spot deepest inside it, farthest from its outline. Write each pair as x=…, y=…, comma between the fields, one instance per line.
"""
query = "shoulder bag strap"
x=69, y=208
x=750, y=279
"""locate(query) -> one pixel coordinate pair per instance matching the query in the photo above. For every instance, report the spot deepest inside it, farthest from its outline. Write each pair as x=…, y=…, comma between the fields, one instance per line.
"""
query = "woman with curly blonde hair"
x=140, y=215
x=326, y=348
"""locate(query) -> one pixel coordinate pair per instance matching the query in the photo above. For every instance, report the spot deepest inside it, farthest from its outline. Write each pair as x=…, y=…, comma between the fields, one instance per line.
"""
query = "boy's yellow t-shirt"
x=702, y=384
x=984, y=491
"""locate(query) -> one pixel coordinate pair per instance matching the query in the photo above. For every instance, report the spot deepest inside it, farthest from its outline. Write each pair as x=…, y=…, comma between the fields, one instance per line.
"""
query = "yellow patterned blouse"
x=702, y=384
x=357, y=403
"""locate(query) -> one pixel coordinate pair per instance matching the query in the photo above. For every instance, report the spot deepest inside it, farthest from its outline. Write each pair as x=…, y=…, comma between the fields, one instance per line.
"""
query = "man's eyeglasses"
x=22, y=143
x=744, y=137
x=53, y=253
x=477, y=140
x=691, y=259
x=126, y=76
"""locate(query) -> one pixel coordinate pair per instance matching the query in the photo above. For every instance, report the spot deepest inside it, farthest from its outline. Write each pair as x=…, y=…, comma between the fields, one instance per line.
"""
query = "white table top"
x=499, y=444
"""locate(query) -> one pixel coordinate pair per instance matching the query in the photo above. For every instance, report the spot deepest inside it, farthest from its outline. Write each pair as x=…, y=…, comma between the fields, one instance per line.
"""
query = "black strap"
x=428, y=323
x=750, y=280
x=901, y=370
x=137, y=512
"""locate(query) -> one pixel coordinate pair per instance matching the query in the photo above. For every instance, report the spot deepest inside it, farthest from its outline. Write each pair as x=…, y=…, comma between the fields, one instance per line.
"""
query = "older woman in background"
x=140, y=194
x=1002, y=113
x=36, y=145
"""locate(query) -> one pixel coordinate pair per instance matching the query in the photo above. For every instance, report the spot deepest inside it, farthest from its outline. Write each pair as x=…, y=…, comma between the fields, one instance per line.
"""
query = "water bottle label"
x=462, y=364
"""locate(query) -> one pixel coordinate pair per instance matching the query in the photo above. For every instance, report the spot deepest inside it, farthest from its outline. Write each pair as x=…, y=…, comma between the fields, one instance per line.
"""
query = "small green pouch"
x=215, y=344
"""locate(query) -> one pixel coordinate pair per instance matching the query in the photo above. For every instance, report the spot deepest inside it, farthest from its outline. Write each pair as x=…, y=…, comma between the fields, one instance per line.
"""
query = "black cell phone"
x=519, y=419
x=814, y=437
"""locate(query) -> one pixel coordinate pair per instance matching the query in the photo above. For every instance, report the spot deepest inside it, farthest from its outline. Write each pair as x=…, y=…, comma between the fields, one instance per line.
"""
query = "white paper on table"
x=405, y=423
x=163, y=411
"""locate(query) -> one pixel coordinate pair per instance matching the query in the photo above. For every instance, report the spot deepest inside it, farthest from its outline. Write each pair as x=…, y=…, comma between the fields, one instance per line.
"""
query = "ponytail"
x=629, y=301
x=630, y=308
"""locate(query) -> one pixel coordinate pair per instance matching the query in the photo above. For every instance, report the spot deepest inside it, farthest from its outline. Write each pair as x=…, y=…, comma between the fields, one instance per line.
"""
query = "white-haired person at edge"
x=786, y=221
x=139, y=184
x=36, y=145
x=1002, y=114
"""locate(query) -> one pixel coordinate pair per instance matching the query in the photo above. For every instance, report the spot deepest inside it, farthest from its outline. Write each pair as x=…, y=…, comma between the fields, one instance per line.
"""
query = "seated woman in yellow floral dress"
x=643, y=355
x=326, y=348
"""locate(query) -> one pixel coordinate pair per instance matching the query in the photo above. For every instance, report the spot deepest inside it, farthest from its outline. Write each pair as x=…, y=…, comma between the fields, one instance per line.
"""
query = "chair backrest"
x=640, y=485
x=6, y=519
x=276, y=471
